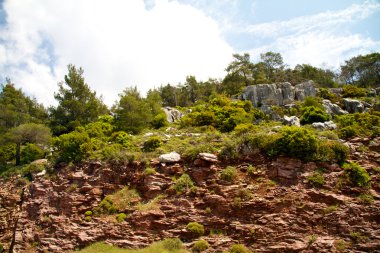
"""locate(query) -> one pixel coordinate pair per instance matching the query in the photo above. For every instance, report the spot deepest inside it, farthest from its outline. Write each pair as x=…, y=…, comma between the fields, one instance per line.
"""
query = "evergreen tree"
x=77, y=104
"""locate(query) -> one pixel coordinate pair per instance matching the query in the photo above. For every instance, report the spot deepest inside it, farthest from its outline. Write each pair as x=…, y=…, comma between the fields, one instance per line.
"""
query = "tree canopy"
x=77, y=104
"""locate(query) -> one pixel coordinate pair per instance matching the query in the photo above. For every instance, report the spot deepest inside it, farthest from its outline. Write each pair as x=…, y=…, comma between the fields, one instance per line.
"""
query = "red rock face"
x=273, y=209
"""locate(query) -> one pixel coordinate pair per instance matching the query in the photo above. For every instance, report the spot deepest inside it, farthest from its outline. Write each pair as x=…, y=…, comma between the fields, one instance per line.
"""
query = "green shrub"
x=88, y=213
x=160, y=120
x=68, y=146
x=350, y=91
x=1, y=248
x=200, y=246
x=312, y=102
x=228, y=174
x=366, y=199
x=87, y=218
x=326, y=94
x=358, y=124
x=183, y=183
x=122, y=138
x=106, y=206
x=31, y=152
x=332, y=151
x=316, y=179
x=356, y=174
x=244, y=128
x=121, y=217
x=297, y=142
x=152, y=144
x=172, y=244
x=239, y=248
x=114, y=154
x=149, y=171
x=251, y=170
x=313, y=114
x=195, y=228
x=348, y=132
x=357, y=237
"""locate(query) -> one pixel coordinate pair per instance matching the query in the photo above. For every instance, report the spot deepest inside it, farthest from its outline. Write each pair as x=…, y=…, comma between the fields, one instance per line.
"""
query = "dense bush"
x=239, y=248
x=160, y=120
x=121, y=217
x=326, y=94
x=357, y=175
x=195, y=228
x=152, y=144
x=311, y=114
x=228, y=174
x=316, y=179
x=200, y=246
x=350, y=91
x=172, y=244
x=332, y=151
x=358, y=124
x=68, y=146
x=183, y=184
x=296, y=142
x=122, y=138
x=31, y=152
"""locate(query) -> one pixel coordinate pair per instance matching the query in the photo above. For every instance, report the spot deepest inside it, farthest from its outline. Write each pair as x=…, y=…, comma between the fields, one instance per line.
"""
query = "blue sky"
x=148, y=43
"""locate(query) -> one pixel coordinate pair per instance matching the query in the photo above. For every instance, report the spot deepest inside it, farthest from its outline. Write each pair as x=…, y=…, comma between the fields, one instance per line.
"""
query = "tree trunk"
x=18, y=154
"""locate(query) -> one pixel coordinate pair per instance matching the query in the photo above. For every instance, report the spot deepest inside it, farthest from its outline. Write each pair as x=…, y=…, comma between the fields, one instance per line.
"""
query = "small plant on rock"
x=121, y=217
x=183, y=183
x=239, y=248
x=316, y=179
x=356, y=174
x=229, y=174
x=200, y=246
x=152, y=144
x=195, y=228
x=366, y=199
x=149, y=171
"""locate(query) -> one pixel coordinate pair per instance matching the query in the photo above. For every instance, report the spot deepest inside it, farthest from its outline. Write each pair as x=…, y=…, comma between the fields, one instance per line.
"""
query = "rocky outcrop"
x=332, y=109
x=292, y=121
x=270, y=206
x=328, y=125
x=172, y=114
x=277, y=94
x=353, y=105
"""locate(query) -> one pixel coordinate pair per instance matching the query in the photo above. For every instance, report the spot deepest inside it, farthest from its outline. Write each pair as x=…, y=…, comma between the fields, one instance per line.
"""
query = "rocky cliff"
x=277, y=93
x=270, y=207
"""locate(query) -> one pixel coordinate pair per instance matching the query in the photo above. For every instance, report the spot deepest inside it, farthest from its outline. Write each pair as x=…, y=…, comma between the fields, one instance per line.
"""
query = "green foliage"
x=195, y=228
x=358, y=124
x=316, y=179
x=160, y=120
x=366, y=199
x=134, y=113
x=332, y=151
x=31, y=152
x=350, y=91
x=362, y=70
x=222, y=114
x=183, y=184
x=149, y=171
x=152, y=144
x=1, y=248
x=17, y=109
x=200, y=246
x=121, y=217
x=122, y=138
x=297, y=142
x=239, y=248
x=88, y=213
x=106, y=206
x=311, y=114
x=326, y=94
x=168, y=246
x=229, y=174
x=115, y=154
x=312, y=102
x=77, y=104
x=68, y=147
x=357, y=237
x=356, y=174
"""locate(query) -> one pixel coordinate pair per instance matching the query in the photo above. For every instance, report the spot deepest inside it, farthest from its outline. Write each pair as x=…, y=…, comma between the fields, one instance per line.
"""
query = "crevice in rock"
x=16, y=221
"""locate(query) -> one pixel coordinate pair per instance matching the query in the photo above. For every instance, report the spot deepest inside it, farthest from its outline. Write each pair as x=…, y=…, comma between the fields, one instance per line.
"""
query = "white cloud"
x=324, y=39
x=118, y=43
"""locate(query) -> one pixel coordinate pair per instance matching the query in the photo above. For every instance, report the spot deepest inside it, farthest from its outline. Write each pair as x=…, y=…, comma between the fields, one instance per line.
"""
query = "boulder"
x=328, y=125
x=353, y=105
x=172, y=114
x=208, y=157
x=304, y=90
x=171, y=157
x=292, y=121
x=332, y=109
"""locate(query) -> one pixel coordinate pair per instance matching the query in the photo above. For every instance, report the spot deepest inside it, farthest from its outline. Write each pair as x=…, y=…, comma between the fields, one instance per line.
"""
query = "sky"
x=148, y=43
